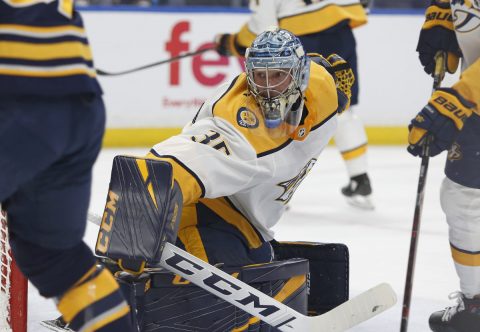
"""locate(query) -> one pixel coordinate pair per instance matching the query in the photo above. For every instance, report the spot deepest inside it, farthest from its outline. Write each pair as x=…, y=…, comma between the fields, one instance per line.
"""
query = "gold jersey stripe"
x=221, y=207
x=189, y=235
x=80, y=297
x=42, y=32
x=465, y=258
x=57, y=71
x=48, y=51
x=189, y=185
x=191, y=239
x=324, y=18
x=469, y=85
x=245, y=37
x=288, y=289
x=354, y=153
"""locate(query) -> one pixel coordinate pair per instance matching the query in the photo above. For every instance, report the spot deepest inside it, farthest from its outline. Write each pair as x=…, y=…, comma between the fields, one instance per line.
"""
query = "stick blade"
x=357, y=310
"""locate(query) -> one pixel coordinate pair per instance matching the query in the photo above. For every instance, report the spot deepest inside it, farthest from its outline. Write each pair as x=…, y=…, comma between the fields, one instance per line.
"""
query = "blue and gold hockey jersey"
x=463, y=162
x=44, y=49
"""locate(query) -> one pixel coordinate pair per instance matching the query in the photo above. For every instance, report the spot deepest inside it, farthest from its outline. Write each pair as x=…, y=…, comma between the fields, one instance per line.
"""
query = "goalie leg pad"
x=165, y=302
x=329, y=271
x=142, y=212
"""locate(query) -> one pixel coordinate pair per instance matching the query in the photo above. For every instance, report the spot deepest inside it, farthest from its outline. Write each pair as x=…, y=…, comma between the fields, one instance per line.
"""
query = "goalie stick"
x=355, y=311
x=175, y=58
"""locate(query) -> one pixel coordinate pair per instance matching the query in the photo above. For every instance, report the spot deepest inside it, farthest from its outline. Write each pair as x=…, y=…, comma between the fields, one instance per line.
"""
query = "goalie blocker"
x=142, y=212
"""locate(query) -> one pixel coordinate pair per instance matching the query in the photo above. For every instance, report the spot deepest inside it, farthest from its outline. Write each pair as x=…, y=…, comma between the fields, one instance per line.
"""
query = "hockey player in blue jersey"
x=452, y=119
x=51, y=126
x=323, y=27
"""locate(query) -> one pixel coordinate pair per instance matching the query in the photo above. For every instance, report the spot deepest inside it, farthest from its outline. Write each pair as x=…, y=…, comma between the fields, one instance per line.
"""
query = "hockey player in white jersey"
x=323, y=27
x=248, y=148
x=218, y=188
x=452, y=119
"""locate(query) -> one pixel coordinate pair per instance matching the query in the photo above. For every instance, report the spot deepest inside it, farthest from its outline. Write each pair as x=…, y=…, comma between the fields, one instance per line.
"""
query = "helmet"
x=277, y=71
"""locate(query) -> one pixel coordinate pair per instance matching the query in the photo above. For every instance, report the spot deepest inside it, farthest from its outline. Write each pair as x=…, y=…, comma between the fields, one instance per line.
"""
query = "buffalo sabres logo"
x=466, y=18
x=291, y=185
x=455, y=153
x=246, y=118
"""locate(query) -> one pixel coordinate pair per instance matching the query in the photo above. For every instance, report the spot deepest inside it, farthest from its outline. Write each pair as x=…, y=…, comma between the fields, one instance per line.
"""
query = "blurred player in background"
x=452, y=119
x=323, y=28
x=52, y=121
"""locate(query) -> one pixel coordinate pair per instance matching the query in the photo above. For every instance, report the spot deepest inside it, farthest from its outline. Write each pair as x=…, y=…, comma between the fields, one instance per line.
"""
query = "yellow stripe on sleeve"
x=469, y=85
x=42, y=32
x=47, y=51
x=245, y=37
x=61, y=71
x=324, y=18
x=189, y=185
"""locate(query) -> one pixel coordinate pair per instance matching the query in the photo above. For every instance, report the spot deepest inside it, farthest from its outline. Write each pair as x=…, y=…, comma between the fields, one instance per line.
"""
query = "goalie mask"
x=277, y=74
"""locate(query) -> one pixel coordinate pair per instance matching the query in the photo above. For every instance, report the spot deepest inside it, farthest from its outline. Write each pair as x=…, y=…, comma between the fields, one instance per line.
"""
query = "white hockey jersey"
x=227, y=161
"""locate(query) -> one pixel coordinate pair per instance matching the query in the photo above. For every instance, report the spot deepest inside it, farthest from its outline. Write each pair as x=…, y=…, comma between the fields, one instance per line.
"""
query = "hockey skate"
x=358, y=192
x=462, y=317
x=58, y=325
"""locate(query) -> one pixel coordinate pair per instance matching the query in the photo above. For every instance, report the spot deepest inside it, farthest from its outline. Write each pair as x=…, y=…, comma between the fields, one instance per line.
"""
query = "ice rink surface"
x=378, y=240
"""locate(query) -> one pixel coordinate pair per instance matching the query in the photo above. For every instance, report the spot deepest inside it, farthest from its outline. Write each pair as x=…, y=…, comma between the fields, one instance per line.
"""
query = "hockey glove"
x=343, y=75
x=225, y=44
x=442, y=118
x=438, y=34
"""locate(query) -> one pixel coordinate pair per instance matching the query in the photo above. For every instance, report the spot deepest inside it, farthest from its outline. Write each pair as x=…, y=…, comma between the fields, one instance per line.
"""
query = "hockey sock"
x=95, y=303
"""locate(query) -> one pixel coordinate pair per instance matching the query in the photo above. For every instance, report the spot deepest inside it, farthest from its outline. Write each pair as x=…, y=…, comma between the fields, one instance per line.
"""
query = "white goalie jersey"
x=227, y=160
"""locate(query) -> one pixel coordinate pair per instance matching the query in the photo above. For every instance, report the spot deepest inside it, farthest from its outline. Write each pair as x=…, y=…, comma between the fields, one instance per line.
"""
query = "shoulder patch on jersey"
x=246, y=118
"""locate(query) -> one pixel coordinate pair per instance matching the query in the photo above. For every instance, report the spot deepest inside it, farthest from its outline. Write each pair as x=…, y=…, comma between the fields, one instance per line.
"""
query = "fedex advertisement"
x=393, y=86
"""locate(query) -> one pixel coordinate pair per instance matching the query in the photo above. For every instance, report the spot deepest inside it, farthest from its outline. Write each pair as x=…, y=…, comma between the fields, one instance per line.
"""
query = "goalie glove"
x=225, y=45
x=438, y=34
x=443, y=118
x=343, y=75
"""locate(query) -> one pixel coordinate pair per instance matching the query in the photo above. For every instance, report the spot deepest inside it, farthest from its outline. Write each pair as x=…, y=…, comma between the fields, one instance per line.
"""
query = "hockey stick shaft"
x=422, y=179
x=175, y=58
x=266, y=308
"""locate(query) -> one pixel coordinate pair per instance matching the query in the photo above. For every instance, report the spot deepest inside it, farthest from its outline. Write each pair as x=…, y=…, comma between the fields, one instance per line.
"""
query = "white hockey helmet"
x=277, y=74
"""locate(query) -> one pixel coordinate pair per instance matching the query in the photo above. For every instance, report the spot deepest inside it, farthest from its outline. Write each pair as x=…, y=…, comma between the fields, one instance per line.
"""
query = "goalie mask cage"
x=13, y=287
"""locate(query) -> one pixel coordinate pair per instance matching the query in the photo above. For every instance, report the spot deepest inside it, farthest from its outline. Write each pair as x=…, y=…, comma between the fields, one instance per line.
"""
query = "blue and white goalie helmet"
x=277, y=74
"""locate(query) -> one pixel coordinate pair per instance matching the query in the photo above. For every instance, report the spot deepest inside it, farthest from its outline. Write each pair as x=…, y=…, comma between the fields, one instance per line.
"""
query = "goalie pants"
x=48, y=146
x=340, y=40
